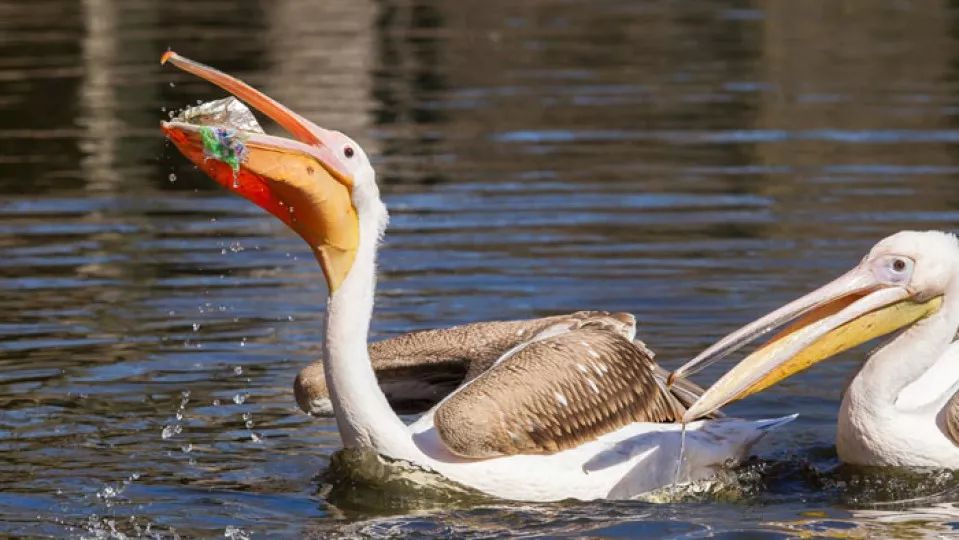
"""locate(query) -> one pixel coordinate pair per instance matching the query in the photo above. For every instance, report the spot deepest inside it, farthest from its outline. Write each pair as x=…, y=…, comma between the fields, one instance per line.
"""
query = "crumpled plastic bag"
x=227, y=113
x=225, y=123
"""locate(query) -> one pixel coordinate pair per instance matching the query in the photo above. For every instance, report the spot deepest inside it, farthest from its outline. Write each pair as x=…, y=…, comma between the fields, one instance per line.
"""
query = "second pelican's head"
x=320, y=183
x=902, y=280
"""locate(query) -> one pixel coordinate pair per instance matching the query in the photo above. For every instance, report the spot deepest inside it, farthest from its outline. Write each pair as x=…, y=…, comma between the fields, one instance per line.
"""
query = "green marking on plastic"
x=217, y=149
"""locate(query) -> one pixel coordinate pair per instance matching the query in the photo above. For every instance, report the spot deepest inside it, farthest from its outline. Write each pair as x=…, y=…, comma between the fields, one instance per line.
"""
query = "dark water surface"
x=696, y=163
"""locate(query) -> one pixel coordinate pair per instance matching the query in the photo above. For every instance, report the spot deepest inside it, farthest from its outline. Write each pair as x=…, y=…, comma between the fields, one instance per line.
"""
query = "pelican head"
x=902, y=280
x=314, y=182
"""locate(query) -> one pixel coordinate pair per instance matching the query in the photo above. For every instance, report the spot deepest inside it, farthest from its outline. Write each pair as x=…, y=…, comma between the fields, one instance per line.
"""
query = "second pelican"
x=902, y=407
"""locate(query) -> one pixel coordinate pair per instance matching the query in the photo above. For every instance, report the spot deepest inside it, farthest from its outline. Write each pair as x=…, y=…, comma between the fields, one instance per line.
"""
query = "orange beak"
x=302, y=182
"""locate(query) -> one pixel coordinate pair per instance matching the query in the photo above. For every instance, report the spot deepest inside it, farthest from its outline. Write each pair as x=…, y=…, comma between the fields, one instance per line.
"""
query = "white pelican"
x=569, y=413
x=902, y=407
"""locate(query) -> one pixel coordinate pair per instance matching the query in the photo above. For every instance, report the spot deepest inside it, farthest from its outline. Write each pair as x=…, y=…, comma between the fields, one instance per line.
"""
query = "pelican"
x=902, y=407
x=569, y=413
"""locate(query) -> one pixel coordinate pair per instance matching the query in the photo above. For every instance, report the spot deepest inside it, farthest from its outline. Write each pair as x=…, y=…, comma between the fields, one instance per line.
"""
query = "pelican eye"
x=893, y=269
x=348, y=151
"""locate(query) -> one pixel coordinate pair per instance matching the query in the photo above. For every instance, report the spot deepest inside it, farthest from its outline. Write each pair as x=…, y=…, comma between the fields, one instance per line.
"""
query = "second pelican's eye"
x=893, y=269
x=348, y=151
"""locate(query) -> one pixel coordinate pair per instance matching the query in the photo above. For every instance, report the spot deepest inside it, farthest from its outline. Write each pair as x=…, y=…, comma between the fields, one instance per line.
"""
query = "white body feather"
x=633, y=460
x=891, y=414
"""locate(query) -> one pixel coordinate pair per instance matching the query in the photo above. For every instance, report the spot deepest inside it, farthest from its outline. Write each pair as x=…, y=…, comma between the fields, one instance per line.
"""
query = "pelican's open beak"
x=301, y=181
x=850, y=310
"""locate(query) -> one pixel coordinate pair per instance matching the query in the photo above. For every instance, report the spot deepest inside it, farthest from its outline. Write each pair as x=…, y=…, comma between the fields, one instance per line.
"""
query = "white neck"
x=904, y=360
x=363, y=415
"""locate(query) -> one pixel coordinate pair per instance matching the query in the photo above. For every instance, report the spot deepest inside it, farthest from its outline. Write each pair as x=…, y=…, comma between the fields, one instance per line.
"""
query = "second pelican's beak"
x=850, y=310
x=302, y=182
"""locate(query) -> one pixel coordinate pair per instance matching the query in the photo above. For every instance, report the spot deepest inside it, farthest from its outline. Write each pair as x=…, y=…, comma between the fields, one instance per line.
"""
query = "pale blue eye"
x=893, y=269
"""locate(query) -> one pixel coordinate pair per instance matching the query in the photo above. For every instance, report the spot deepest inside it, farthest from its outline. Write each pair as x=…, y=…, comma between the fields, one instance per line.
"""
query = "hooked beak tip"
x=167, y=56
x=169, y=129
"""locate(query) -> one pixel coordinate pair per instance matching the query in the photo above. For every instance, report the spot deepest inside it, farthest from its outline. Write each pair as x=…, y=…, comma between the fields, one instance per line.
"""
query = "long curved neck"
x=363, y=416
x=904, y=360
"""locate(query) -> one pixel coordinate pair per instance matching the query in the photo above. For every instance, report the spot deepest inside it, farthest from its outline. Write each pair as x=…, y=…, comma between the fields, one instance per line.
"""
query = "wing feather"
x=448, y=356
x=950, y=416
x=553, y=394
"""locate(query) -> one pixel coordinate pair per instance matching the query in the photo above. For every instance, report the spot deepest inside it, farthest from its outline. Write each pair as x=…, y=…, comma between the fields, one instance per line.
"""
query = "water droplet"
x=255, y=438
x=172, y=177
x=186, y=448
x=239, y=399
x=238, y=370
x=196, y=326
x=679, y=460
x=172, y=84
x=170, y=431
x=107, y=493
x=235, y=533
x=199, y=102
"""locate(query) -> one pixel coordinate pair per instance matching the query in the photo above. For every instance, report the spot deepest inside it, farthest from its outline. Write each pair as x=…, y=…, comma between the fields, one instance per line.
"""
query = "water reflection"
x=696, y=163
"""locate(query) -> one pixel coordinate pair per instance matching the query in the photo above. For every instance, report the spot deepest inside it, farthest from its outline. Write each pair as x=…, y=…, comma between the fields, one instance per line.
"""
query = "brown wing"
x=553, y=394
x=950, y=417
x=419, y=369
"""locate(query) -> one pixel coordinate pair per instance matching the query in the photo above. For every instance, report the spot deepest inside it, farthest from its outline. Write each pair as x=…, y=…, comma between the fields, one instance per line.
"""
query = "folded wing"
x=418, y=369
x=555, y=393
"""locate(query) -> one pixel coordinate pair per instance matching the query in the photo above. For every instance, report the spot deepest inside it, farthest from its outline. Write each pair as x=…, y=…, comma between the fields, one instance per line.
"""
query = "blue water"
x=696, y=163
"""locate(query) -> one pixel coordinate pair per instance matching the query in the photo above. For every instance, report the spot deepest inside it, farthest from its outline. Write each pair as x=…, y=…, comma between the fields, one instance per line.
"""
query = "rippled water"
x=696, y=163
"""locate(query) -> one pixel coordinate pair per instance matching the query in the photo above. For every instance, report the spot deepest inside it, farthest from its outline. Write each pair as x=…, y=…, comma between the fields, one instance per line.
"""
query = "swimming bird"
x=571, y=413
x=902, y=406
